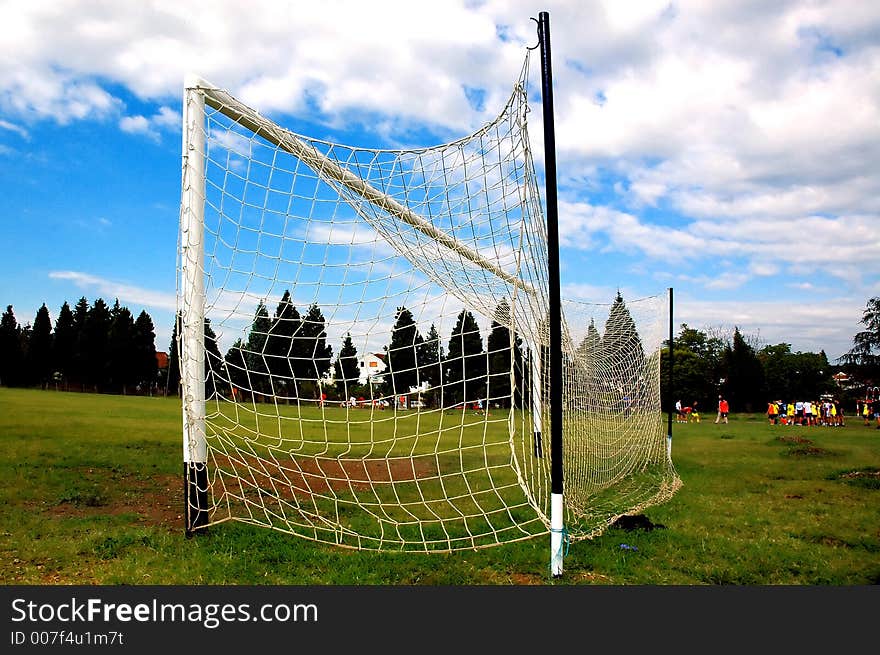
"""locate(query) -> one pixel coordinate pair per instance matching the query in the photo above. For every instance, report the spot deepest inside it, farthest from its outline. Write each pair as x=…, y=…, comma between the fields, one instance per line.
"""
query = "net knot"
x=566, y=539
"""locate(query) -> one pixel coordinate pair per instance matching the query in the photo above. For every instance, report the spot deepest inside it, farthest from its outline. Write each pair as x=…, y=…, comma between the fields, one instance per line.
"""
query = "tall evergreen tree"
x=255, y=351
x=64, y=343
x=347, y=370
x=504, y=356
x=744, y=375
x=213, y=359
x=430, y=354
x=146, y=368
x=10, y=349
x=97, y=338
x=120, y=348
x=39, y=354
x=80, y=355
x=214, y=382
x=622, y=346
x=402, y=359
x=317, y=354
x=625, y=354
x=172, y=381
x=465, y=365
x=589, y=347
x=621, y=338
x=236, y=367
x=285, y=353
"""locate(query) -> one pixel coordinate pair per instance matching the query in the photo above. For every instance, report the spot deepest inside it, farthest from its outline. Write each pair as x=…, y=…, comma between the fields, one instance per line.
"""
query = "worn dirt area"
x=158, y=500
x=310, y=476
x=155, y=500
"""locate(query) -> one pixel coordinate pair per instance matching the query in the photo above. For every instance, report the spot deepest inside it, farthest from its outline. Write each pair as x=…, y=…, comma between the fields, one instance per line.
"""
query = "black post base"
x=195, y=496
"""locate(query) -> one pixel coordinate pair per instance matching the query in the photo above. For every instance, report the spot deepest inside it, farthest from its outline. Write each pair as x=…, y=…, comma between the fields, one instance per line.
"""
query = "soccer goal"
x=365, y=344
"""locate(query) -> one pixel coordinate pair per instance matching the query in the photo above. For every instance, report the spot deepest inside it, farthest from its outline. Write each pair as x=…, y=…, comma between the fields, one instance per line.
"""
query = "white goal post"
x=363, y=344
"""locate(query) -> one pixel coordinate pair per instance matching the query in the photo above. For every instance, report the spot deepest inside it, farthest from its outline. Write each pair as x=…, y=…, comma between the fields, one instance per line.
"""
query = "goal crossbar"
x=226, y=104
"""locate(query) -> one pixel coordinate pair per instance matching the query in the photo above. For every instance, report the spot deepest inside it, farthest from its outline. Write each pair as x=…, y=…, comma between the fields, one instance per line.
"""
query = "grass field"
x=91, y=493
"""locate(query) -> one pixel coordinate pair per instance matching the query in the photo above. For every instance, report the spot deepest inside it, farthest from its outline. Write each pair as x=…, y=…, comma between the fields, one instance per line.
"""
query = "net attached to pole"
x=375, y=343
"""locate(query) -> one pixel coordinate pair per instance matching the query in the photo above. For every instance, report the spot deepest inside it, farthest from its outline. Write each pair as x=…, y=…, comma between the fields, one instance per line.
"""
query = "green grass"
x=91, y=493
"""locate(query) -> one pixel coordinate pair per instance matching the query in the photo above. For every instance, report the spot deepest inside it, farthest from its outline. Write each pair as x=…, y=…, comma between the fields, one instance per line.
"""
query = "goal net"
x=363, y=342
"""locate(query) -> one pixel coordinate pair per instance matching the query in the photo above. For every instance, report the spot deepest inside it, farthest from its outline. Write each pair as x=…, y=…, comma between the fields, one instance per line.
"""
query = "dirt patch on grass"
x=808, y=451
x=310, y=476
x=800, y=446
x=155, y=500
x=794, y=439
x=867, y=478
x=526, y=579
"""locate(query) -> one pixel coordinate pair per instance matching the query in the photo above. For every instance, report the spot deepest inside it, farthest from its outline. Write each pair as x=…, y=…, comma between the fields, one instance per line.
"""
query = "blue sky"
x=729, y=150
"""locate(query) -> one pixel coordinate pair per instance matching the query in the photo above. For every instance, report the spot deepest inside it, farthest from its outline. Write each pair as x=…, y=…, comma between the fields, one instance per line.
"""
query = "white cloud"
x=165, y=118
x=808, y=326
x=844, y=246
x=134, y=125
x=12, y=127
x=127, y=293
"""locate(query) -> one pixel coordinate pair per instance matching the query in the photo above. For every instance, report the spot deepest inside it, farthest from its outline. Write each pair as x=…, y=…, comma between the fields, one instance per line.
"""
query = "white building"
x=371, y=366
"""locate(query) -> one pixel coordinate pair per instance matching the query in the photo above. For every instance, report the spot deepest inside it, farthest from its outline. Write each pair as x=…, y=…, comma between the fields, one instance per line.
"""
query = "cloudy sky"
x=727, y=149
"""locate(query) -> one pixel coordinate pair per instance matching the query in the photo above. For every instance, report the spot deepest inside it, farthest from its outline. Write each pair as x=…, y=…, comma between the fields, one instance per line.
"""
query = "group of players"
x=827, y=412
x=806, y=412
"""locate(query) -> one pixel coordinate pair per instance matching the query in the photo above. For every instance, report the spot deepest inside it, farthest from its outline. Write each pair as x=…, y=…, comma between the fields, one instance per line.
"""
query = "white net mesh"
x=375, y=365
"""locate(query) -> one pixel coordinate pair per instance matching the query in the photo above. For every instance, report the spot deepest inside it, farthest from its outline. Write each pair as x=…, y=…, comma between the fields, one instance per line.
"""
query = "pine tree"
x=213, y=362
x=591, y=343
x=10, y=349
x=316, y=354
x=146, y=368
x=403, y=364
x=745, y=375
x=80, y=356
x=255, y=351
x=503, y=354
x=39, y=354
x=120, y=348
x=236, y=368
x=172, y=382
x=213, y=358
x=430, y=354
x=24, y=342
x=622, y=347
x=465, y=365
x=97, y=331
x=284, y=352
x=64, y=343
x=347, y=371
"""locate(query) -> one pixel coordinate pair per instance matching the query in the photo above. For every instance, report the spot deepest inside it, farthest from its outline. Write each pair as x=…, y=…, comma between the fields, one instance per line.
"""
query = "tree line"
x=286, y=356
x=96, y=347
x=750, y=375
x=92, y=347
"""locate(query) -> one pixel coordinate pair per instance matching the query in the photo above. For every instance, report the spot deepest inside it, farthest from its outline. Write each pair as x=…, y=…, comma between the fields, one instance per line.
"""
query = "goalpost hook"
x=538, y=44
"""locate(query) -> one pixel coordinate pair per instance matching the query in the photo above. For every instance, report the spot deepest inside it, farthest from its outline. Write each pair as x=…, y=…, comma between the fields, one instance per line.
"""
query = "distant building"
x=162, y=360
x=842, y=379
x=372, y=366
